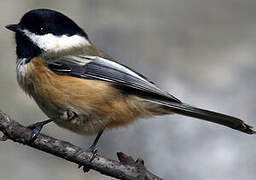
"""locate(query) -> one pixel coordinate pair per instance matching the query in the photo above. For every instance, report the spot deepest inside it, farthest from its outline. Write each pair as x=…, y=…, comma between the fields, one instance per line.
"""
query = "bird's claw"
x=36, y=128
x=85, y=168
x=92, y=149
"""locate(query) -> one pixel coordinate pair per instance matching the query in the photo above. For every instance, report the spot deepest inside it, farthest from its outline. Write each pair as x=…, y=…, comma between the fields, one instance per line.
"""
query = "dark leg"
x=37, y=127
x=93, y=150
x=93, y=147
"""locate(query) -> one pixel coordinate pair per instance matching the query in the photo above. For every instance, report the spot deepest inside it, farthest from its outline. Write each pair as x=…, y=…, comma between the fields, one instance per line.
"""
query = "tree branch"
x=126, y=168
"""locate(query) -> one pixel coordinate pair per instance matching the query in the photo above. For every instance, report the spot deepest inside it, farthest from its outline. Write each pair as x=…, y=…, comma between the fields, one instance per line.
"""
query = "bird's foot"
x=92, y=149
x=36, y=129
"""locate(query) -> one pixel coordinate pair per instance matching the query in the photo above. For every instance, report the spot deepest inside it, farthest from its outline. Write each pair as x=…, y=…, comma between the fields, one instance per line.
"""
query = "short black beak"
x=14, y=27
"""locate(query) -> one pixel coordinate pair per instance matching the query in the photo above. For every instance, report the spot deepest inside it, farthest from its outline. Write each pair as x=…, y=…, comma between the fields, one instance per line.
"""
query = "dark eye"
x=43, y=30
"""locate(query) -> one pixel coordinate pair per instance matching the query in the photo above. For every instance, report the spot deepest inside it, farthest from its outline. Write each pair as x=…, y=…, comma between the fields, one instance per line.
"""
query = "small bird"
x=83, y=89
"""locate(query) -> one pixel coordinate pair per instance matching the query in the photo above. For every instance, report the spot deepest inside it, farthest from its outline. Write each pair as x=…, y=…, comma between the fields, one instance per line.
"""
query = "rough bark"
x=126, y=168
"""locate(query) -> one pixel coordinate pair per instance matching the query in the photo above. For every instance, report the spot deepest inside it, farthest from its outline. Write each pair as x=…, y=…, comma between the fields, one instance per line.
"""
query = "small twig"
x=126, y=168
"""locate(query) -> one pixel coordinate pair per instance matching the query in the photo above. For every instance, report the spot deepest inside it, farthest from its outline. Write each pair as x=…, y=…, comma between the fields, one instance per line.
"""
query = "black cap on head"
x=44, y=21
x=40, y=22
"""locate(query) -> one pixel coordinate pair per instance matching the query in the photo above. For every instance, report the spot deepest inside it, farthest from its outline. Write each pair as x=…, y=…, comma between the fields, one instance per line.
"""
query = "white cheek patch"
x=50, y=42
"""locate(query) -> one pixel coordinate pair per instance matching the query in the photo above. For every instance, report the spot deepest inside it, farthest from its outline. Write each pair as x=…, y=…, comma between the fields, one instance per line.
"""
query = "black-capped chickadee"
x=83, y=89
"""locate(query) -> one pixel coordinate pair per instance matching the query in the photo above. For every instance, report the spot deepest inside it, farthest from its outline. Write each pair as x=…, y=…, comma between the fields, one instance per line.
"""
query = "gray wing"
x=97, y=68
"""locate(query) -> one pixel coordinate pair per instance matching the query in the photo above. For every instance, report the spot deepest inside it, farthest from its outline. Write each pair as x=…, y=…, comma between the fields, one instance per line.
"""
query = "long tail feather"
x=229, y=121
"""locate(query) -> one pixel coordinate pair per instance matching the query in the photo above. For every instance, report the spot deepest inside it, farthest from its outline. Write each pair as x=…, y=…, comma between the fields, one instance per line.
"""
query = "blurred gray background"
x=202, y=51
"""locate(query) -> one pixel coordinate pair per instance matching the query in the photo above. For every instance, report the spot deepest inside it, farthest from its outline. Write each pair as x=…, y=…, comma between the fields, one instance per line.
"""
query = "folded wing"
x=97, y=68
